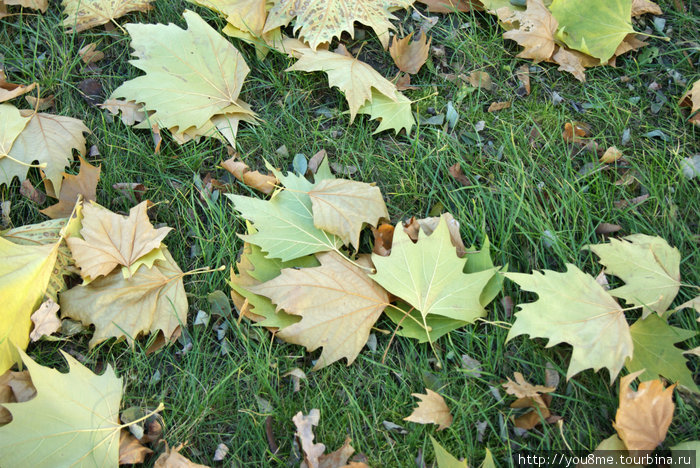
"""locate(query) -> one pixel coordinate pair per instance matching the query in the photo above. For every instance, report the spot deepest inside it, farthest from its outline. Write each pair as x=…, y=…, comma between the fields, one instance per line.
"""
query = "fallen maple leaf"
x=172, y=458
x=409, y=56
x=48, y=139
x=319, y=21
x=432, y=409
x=536, y=31
x=79, y=423
x=45, y=320
x=109, y=239
x=25, y=272
x=192, y=82
x=411, y=273
x=285, y=225
x=644, y=415
x=12, y=90
x=86, y=14
x=649, y=267
x=253, y=179
x=692, y=99
x=592, y=322
x=356, y=79
x=529, y=396
x=84, y=184
x=337, y=301
x=445, y=459
x=521, y=388
x=342, y=207
x=655, y=354
x=594, y=27
x=15, y=387
x=151, y=299
x=130, y=449
x=392, y=113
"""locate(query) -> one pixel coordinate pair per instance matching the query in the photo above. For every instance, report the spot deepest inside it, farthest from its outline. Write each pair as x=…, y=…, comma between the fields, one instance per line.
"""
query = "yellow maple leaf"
x=319, y=21
x=432, y=409
x=110, y=239
x=86, y=14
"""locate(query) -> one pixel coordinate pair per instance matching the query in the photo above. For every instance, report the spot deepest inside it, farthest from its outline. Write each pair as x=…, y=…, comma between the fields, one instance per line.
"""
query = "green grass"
x=517, y=193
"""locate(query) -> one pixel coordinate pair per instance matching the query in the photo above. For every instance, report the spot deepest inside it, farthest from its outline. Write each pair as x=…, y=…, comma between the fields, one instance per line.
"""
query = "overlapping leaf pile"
x=594, y=323
x=296, y=275
x=575, y=34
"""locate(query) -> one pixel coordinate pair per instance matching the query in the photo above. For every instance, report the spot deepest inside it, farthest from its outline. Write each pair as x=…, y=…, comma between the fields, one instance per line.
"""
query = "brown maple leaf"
x=409, y=56
x=12, y=90
x=73, y=186
x=692, y=99
x=432, y=409
x=536, y=31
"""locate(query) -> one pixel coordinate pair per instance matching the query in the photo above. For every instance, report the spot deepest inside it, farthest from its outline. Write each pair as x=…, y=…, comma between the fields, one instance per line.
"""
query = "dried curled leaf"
x=409, y=56
x=84, y=184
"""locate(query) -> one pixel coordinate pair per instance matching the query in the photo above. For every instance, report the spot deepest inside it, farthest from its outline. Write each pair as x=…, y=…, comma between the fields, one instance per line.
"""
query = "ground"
x=538, y=199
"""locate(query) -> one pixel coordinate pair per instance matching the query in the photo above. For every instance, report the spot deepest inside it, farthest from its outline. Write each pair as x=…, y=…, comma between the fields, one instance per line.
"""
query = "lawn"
x=538, y=199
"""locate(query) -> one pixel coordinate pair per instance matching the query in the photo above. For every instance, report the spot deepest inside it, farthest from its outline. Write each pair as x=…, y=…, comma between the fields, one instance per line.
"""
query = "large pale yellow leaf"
x=152, y=299
x=86, y=14
x=48, y=139
x=342, y=207
x=432, y=409
x=110, y=239
x=24, y=276
x=337, y=301
x=41, y=5
x=649, y=267
x=644, y=415
x=192, y=75
x=73, y=420
x=573, y=308
x=11, y=125
x=319, y=21
x=354, y=78
x=536, y=31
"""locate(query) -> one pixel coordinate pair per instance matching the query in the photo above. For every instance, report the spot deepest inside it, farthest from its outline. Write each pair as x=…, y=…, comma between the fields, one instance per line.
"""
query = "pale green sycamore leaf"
x=73, y=421
x=445, y=459
x=573, y=308
x=594, y=27
x=655, y=353
x=649, y=267
x=393, y=113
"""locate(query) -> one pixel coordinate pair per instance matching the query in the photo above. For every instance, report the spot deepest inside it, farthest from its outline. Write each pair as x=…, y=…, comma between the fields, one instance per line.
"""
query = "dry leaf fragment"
x=521, y=388
x=574, y=131
x=305, y=426
x=27, y=189
x=529, y=396
x=130, y=449
x=12, y=90
x=410, y=56
x=404, y=82
x=644, y=415
x=571, y=61
x=85, y=184
x=40, y=104
x=692, y=99
x=432, y=409
x=172, y=458
x=641, y=7
x=536, y=31
x=480, y=79
x=497, y=106
x=15, y=387
x=383, y=237
x=611, y=155
x=110, y=239
x=523, y=74
x=90, y=54
x=221, y=452
x=266, y=183
x=607, y=228
x=458, y=174
x=45, y=320
x=132, y=112
x=86, y=14
x=41, y=5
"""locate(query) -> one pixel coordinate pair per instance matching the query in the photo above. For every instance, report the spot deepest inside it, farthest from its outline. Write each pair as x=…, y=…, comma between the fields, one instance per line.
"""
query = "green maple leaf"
x=393, y=113
x=649, y=267
x=595, y=27
x=573, y=308
x=285, y=224
x=429, y=276
x=655, y=352
x=73, y=420
x=445, y=459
